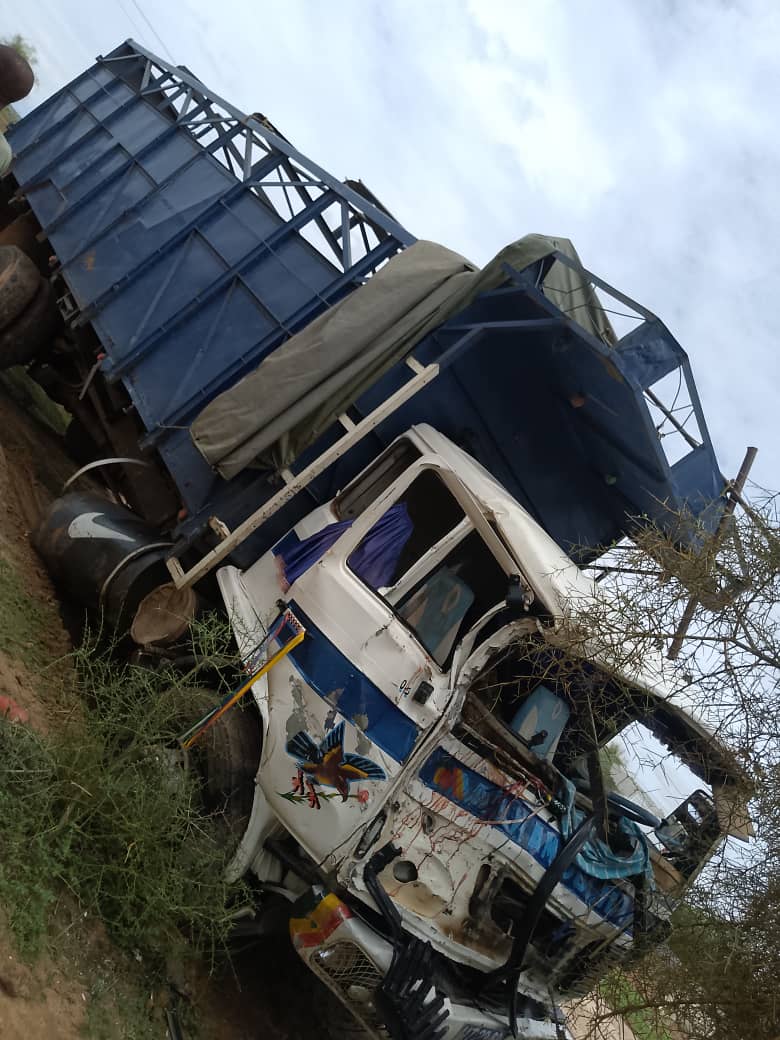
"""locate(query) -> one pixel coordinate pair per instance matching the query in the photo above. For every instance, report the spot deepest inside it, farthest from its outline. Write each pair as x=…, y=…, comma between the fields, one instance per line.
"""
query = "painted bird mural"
x=328, y=764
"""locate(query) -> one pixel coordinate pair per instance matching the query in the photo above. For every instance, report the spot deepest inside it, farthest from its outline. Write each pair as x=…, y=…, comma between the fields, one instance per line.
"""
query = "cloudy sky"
x=645, y=130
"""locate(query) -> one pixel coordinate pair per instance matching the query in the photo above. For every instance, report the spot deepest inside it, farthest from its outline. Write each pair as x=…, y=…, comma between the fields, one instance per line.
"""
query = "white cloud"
x=644, y=131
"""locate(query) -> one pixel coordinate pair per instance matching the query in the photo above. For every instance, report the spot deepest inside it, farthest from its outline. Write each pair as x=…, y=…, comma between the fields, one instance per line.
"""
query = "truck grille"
x=355, y=978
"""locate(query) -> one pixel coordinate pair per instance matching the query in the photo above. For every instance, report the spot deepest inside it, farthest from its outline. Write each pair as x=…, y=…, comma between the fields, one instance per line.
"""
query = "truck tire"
x=225, y=758
x=232, y=753
x=19, y=282
x=27, y=336
x=21, y=230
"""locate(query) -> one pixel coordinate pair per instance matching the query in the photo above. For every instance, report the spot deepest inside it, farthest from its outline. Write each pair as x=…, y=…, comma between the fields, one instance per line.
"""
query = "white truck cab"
x=429, y=765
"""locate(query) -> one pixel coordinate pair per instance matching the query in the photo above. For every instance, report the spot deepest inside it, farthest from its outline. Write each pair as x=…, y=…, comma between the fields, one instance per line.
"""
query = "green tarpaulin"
x=277, y=411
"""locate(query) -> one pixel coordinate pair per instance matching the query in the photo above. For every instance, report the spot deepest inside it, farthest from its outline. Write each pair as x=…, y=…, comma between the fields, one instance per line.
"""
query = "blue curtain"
x=597, y=859
x=374, y=561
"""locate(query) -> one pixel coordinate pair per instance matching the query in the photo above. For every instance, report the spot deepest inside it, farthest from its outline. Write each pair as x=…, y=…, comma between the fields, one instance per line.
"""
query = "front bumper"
x=352, y=959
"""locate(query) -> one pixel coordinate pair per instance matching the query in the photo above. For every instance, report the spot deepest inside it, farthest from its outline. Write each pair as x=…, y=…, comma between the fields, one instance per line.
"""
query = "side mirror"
x=671, y=834
x=517, y=594
x=690, y=832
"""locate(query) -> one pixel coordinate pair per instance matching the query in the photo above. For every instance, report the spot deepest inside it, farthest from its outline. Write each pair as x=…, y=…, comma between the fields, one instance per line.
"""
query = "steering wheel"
x=622, y=806
x=631, y=810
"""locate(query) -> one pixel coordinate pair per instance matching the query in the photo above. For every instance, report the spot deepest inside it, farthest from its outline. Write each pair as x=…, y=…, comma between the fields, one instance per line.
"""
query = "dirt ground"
x=580, y=1023
x=38, y=1002
x=58, y=995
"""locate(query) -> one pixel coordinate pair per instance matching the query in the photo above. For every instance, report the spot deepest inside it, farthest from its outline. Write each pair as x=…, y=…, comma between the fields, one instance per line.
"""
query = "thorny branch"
x=719, y=974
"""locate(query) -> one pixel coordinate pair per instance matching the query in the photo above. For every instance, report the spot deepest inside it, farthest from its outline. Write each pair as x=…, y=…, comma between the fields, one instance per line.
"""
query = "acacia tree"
x=718, y=976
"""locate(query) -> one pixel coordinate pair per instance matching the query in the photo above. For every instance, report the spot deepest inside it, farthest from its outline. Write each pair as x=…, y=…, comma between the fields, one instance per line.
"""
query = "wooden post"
x=734, y=491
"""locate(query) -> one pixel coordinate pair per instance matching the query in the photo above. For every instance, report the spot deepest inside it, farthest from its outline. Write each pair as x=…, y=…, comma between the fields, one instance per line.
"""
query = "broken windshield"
x=532, y=708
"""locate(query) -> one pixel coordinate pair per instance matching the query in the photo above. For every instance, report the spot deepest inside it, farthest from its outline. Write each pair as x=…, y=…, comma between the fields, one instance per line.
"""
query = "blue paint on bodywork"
x=485, y=800
x=336, y=679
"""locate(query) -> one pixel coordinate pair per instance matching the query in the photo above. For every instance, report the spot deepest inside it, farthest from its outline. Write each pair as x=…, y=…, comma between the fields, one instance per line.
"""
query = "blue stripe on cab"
x=487, y=801
x=334, y=677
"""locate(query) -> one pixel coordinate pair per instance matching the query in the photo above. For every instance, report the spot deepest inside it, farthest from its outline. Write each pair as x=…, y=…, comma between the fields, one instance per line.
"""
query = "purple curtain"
x=376, y=558
x=298, y=558
x=374, y=561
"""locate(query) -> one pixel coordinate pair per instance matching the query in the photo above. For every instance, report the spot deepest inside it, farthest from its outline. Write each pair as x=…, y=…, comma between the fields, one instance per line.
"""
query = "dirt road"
x=580, y=1021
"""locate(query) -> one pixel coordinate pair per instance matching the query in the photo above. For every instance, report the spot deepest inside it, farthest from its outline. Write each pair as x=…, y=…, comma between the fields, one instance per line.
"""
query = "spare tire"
x=19, y=282
x=26, y=336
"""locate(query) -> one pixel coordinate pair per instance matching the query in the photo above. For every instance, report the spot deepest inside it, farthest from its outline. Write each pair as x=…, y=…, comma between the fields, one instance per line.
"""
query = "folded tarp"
x=277, y=411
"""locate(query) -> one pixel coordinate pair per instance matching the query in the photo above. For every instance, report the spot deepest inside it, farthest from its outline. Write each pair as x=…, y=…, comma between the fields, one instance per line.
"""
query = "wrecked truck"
x=393, y=469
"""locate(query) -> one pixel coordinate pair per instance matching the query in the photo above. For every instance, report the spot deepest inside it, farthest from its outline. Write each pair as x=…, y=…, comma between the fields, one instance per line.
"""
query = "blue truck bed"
x=195, y=240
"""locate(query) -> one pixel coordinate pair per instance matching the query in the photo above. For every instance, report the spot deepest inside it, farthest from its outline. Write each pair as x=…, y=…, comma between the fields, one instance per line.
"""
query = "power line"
x=135, y=28
x=152, y=29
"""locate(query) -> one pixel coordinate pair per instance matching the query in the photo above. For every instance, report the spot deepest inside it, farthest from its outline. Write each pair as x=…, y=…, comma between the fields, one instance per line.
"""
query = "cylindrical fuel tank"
x=102, y=555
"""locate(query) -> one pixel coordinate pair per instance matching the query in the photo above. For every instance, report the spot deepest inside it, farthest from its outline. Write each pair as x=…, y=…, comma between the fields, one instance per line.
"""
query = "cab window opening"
x=556, y=711
x=560, y=708
x=433, y=513
x=454, y=590
x=366, y=488
x=453, y=596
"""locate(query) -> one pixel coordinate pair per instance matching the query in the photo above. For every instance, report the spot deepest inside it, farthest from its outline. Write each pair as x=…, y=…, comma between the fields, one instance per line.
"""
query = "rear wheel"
x=22, y=230
x=19, y=282
x=31, y=331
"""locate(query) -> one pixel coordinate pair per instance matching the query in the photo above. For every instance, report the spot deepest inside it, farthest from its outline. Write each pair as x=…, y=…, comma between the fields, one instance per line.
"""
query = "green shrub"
x=105, y=808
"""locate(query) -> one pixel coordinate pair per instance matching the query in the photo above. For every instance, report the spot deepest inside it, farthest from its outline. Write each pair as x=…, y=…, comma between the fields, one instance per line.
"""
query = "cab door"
x=383, y=611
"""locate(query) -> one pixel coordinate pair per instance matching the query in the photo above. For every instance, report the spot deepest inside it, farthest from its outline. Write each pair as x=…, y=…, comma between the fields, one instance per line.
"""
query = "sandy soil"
x=38, y=1001
x=580, y=1022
